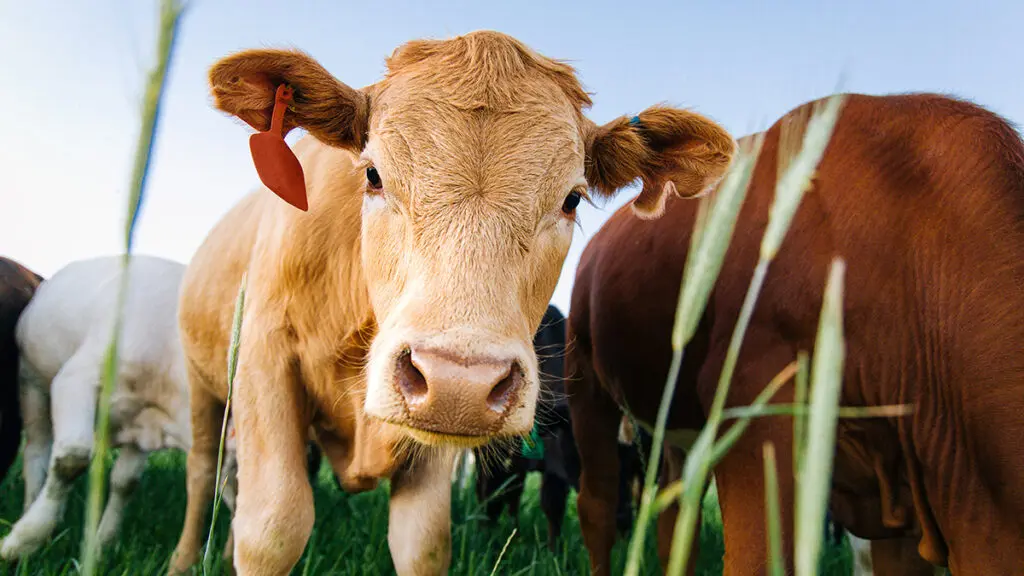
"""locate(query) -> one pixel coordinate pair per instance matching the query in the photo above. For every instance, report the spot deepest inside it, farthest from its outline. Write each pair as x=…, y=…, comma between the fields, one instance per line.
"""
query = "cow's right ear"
x=245, y=84
x=672, y=150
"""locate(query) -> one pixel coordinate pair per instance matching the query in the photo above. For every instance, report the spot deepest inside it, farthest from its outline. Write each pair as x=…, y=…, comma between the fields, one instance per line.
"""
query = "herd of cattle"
x=394, y=298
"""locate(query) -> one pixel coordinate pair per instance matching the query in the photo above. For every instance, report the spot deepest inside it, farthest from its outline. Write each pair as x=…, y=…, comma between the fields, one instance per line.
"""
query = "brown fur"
x=923, y=196
x=478, y=141
x=17, y=285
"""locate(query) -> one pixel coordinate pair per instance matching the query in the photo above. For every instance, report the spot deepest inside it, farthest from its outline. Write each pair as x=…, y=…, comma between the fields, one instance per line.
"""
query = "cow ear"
x=244, y=84
x=671, y=150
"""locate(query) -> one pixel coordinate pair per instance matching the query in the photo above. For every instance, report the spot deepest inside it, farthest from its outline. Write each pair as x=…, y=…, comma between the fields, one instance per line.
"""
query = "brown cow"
x=923, y=196
x=442, y=202
x=17, y=285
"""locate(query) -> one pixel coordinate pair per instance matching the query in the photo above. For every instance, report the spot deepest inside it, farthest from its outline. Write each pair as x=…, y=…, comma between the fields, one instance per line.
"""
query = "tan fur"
x=478, y=140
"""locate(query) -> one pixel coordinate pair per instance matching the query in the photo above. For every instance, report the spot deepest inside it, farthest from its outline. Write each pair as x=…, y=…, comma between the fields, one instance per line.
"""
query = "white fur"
x=63, y=336
x=861, y=552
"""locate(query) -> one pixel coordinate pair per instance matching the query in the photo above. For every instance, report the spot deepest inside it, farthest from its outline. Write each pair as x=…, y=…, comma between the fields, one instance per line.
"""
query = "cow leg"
x=672, y=470
x=207, y=414
x=314, y=458
x=515, y=490
x=73, y=396
x=128, y=469
x=419, y=518
x=595, y=424
x=493, y=486
x=274, y=506
x=740, y=474
x=553, y=494
x=35, y=414
x=627, y=469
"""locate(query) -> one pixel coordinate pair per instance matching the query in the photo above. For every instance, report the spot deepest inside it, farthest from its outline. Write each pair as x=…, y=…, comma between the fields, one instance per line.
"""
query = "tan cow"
x=396, y=316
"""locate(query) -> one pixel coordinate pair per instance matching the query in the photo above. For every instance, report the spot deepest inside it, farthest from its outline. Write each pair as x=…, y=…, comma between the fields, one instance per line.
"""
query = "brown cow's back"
x=924, y=198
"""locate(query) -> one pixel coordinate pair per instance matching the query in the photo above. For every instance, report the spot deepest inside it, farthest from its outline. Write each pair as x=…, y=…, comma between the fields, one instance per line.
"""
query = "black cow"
x=560, y=466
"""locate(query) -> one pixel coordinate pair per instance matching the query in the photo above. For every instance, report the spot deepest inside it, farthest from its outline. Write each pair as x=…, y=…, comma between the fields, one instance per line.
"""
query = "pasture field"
x=350, y=535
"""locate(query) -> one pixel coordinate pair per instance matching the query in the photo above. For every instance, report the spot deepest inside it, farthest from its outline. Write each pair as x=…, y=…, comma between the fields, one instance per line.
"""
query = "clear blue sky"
x=72, y=74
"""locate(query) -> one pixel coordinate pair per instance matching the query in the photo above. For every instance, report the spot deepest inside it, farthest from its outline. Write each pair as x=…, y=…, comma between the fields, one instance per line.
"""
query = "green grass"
x=350, y=535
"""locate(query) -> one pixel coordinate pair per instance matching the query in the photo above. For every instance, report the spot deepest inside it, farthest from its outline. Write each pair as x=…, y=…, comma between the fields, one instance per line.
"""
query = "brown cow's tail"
x=10, y=407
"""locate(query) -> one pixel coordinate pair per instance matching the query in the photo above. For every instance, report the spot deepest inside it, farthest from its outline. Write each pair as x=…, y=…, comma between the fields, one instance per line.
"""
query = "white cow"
x=63, y=336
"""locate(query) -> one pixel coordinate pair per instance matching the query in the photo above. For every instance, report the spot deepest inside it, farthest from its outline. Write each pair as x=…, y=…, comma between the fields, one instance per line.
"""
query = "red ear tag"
x=275, y=162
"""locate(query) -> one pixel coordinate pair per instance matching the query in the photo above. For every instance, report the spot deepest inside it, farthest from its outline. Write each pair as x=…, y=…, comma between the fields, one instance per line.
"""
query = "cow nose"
x=450, y=394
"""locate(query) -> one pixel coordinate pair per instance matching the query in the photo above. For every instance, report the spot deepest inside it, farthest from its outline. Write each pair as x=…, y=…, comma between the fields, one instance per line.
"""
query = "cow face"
x=476, y=155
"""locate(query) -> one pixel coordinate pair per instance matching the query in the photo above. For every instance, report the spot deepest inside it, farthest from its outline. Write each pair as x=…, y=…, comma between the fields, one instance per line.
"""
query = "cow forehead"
x=429, y=149
x=433, y=139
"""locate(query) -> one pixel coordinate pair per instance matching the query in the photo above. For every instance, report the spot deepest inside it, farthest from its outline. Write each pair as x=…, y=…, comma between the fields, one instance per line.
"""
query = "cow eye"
x=373, y=178
x=571, y=202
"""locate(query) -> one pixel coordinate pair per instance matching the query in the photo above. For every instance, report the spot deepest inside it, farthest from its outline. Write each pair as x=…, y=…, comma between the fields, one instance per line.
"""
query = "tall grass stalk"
x=170, y=13
x=236, y=338
x=789, y=190
x=826, y=382
x=708, y=248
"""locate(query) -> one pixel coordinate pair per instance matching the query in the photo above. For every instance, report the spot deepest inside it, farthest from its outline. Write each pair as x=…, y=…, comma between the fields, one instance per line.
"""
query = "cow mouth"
x=426, y=436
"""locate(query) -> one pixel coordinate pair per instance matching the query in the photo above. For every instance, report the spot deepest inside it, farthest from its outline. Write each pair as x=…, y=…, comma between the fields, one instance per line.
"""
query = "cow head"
x=476, y=154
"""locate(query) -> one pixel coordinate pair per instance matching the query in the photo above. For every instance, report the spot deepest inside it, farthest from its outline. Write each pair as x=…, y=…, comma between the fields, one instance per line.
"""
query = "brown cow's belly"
x=870, y=493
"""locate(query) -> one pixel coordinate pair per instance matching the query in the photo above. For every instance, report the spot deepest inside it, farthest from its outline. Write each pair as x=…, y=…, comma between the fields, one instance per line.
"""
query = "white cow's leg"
x=419, y=528
x=123, y=479
x=73, y=406
x=35, y=414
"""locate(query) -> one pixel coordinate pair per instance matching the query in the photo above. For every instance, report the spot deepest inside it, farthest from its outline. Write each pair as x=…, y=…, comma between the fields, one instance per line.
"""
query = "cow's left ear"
x=244, y=84
x=671, y=150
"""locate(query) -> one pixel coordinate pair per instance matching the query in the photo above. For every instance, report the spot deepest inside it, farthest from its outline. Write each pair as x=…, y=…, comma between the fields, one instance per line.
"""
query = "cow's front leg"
x=274, y=505
x=419, y=520
x=740, y=475
x=595, y=425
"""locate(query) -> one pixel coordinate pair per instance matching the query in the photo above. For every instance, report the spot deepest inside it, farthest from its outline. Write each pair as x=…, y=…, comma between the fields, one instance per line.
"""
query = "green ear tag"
x=533, y=446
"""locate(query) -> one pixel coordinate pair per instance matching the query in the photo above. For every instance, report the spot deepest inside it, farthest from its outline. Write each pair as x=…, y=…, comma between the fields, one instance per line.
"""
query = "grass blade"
x=800, y=421
x=236, y=338
x=802, y=410
x=773, y=519
x=503, y=549
x=826, y=382
x=796, y=179
x=170, y=13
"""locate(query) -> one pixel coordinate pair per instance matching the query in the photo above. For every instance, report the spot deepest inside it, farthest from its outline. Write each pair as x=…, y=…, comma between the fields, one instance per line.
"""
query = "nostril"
x=499, y=397
x=411, y=382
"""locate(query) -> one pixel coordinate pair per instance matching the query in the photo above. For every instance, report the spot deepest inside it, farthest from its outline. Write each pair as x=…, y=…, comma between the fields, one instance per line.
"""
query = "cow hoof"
x=13, y=548
x=106, y=535
x=28, y=534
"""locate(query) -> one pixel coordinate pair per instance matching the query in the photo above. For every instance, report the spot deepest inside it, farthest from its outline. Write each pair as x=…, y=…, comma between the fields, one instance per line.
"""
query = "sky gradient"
x=72, y=80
